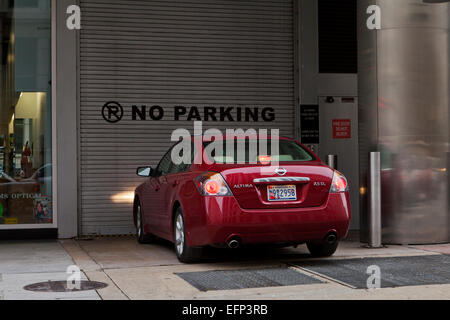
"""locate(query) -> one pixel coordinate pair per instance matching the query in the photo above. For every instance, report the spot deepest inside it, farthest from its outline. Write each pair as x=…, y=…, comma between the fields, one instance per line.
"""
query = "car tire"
x=185, y=253
x=322, y=248
x=141, y=236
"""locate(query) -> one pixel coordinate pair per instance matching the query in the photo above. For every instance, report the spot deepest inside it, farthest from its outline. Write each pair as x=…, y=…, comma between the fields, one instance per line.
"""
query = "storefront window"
x=25, y=113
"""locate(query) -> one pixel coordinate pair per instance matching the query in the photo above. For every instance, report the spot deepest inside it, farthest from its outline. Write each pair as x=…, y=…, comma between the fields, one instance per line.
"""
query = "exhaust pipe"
x=331, y=238
x=234, y=243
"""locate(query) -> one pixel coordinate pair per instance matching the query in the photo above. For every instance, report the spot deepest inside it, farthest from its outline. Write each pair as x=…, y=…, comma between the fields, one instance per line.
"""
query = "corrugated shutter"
x=221, y=53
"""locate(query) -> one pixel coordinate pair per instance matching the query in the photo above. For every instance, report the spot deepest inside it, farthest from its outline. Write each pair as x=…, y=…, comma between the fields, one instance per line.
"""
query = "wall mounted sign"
x=342, y=129
x=309, y=121
x=114, y=112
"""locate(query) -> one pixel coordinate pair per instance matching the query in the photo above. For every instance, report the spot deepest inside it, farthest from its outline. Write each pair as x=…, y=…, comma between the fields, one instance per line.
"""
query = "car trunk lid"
x=255, y=187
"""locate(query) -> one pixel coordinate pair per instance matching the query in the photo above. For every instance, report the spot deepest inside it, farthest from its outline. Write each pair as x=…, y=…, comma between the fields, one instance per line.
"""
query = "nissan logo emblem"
x=281, y=171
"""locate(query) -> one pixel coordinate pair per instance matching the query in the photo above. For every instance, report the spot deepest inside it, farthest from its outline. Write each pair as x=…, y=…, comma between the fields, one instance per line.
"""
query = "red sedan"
x=243, y=199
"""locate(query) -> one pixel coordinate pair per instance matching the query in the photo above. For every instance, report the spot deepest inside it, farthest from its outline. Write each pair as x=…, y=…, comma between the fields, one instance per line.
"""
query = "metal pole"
x=375, y=201
x=333, y=161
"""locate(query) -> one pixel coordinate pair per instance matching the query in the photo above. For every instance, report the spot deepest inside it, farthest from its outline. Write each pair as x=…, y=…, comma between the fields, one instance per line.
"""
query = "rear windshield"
x=253, y=151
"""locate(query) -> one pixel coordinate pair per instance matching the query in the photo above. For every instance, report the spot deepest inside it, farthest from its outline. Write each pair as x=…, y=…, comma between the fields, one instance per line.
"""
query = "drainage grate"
x=395, y=271
x=243, y=279
x=61, y=286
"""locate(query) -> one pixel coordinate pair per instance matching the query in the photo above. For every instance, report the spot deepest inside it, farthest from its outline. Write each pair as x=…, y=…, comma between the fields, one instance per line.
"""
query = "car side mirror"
x=144, y=172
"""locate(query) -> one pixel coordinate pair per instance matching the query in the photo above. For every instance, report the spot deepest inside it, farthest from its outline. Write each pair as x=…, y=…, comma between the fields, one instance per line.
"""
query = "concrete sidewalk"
x=140, y=272
x=27, y=262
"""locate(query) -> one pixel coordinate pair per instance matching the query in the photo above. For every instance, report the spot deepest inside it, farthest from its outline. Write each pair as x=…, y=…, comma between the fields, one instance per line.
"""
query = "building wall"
x=404, y=113
x=316, y=87
x=66, y=103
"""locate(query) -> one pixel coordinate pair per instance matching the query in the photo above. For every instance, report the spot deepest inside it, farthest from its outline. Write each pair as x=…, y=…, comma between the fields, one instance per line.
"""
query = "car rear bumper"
x=224, y=218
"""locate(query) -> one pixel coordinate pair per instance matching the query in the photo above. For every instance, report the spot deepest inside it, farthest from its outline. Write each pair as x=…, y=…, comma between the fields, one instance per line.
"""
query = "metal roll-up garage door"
x=216, y=54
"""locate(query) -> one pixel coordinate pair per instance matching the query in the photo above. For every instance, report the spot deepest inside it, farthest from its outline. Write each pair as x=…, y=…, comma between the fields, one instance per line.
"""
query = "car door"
x=155, y=196
x=170, y=189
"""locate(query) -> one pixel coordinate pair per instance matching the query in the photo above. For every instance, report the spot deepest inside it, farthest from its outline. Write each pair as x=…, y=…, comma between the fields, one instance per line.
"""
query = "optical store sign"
x=114, y=112
x=20, y=196
x=28, y=208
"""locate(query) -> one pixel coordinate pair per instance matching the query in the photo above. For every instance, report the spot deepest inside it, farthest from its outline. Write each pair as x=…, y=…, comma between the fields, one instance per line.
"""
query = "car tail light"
x=265, y=159
x=212, y=184
x=339, y=183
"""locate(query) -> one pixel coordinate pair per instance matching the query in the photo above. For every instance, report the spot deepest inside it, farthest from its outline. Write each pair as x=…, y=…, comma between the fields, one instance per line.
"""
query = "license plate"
x=282, y=193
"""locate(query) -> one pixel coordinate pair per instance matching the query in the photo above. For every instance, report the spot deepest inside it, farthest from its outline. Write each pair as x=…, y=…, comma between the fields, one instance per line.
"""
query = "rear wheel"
x=184, y=253
x=322, y=248
x=141, y=236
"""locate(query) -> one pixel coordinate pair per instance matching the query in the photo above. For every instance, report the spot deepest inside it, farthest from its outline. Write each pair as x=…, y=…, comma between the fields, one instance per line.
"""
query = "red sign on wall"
x=342, y=129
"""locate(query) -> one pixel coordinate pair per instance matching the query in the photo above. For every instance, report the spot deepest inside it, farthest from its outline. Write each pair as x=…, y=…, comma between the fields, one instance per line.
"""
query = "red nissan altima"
x=237, y=200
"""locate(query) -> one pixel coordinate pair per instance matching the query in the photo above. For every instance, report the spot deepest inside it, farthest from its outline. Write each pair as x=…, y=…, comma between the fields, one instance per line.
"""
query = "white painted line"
x=324, y=276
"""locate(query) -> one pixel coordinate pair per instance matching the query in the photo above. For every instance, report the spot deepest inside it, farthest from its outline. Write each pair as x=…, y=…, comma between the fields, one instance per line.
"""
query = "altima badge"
x=281, y=171
x=243, y=186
